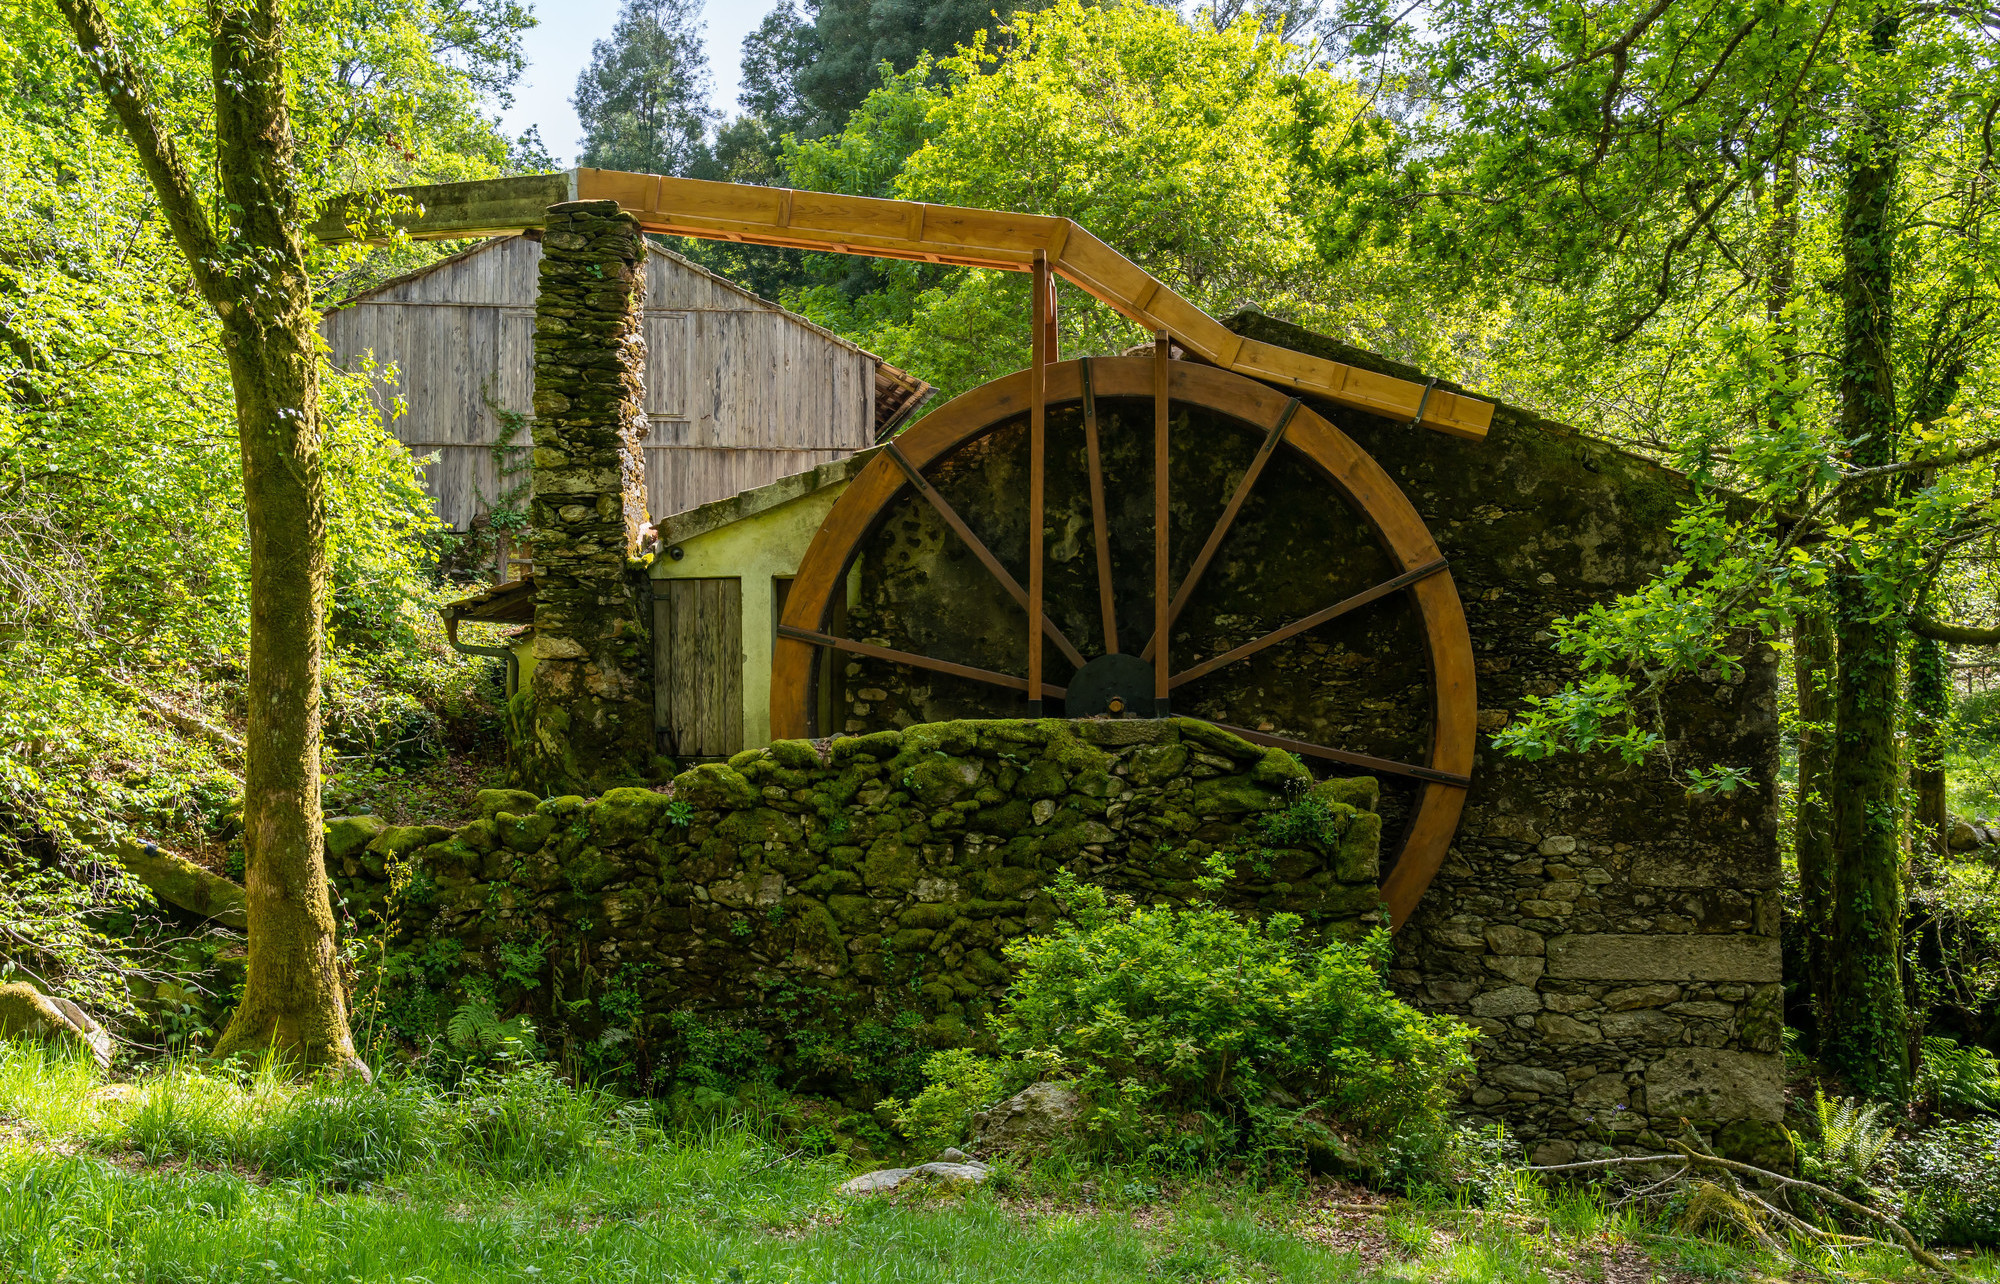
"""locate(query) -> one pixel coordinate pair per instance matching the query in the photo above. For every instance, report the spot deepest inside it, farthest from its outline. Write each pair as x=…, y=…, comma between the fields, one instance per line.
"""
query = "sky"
x=559, y=47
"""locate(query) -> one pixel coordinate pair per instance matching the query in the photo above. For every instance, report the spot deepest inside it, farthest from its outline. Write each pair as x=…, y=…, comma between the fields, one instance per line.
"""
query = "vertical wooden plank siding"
x=698, y=665
x=738, y=392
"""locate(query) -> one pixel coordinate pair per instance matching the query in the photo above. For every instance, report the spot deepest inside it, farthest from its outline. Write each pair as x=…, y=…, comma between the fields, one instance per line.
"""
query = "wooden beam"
x=1162, y=384
x=904, y=230
x=443, y=211
x=1038, y=417
x=914, y=660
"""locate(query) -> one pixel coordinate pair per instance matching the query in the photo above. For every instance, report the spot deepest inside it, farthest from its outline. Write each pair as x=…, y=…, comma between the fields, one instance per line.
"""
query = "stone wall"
x=877, y=877
x=1614, y=937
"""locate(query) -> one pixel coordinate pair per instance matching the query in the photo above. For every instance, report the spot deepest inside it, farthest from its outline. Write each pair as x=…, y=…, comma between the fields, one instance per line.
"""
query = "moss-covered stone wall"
x=875, y=878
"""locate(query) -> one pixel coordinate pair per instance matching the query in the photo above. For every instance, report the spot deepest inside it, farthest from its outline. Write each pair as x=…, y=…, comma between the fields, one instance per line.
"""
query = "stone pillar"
x=589, y=725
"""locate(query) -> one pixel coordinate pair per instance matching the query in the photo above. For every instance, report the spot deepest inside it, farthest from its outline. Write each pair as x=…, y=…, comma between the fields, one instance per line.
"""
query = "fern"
x=477, y=1031
x=1853, y=1138
x=1956, y=1077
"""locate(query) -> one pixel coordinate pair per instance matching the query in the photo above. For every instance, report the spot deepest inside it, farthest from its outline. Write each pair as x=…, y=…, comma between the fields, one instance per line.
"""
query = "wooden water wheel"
x=1225, y=478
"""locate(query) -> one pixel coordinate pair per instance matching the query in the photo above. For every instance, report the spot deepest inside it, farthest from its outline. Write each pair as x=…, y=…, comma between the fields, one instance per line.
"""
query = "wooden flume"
x=893, y=229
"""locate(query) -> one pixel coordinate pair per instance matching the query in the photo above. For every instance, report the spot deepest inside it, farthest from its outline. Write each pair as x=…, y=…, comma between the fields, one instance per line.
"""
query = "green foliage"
x=1306, y=820
x=1949, y=1180
x=1275, y=1045
x=959, y=1083
x=477, y=1031
x=124, y=620
x=1849, y=1142
x=1173, y=143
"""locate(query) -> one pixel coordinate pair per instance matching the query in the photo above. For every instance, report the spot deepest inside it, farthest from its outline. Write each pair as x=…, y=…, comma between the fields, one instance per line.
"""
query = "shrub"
x=1196, y=1034
x=1949, y=1179
x=960, y=1082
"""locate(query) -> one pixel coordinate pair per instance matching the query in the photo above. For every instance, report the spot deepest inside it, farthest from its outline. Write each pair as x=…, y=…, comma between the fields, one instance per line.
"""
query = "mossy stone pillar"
x=590, y=721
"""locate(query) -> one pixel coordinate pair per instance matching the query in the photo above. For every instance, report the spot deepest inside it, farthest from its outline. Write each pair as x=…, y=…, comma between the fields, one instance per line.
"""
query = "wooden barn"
x=739, y=392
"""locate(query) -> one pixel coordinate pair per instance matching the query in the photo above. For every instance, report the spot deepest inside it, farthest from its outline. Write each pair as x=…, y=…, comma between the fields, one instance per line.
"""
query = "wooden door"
x=698, y=666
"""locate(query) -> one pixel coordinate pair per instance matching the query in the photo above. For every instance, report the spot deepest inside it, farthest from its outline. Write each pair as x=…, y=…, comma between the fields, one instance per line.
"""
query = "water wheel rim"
x=1359, y=479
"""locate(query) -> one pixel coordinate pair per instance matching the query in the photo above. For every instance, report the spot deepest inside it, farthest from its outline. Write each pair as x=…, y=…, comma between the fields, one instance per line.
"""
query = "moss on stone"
x=348, y=835
x=524, y=833
x=491, y=802
x=881, y=746
x=401, y=840
x=1231, y=796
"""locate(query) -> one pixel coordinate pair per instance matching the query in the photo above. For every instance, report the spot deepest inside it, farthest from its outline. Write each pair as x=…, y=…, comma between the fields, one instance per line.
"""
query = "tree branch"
x=179, y=200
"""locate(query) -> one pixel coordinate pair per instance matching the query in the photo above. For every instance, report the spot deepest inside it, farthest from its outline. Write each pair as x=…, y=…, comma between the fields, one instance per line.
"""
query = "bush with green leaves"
x=958, y=1083
x=1948, y=1179
x=1200, y=1036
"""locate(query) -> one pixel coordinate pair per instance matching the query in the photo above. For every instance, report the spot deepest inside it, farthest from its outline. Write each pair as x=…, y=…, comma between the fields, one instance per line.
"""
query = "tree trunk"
x=1812, y=835
x=1930, y=706
x=1865, y=1012
x=293, y=1004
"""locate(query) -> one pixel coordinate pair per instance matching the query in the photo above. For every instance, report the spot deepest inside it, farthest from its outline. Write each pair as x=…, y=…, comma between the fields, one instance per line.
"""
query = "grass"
x=185, y=1174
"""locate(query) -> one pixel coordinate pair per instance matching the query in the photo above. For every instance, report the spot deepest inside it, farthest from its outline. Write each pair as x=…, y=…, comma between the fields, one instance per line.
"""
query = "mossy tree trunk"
x=254, y=277
x=1930, y=706
x=590, y=725
x=1866, y=1036
x=1812, y=832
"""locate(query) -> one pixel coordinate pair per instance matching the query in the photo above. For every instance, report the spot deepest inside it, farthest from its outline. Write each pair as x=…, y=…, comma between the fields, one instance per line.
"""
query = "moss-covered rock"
x=27, y=1013
x=349, y=835
x=491, y=802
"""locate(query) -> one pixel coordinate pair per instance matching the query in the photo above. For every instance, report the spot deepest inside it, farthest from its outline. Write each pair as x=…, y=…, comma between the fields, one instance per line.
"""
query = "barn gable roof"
x=898, y=393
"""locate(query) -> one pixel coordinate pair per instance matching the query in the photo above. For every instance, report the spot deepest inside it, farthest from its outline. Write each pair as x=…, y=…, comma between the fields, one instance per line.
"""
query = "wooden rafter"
x=903, y=230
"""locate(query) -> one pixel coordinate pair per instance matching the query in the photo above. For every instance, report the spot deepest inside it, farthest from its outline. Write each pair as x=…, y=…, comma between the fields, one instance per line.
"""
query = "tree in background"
x=1171, y=141
x=643, y=99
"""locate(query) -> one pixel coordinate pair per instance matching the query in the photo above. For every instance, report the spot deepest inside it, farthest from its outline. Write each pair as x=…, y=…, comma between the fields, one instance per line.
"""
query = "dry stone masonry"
x=588, y=713
x=878, y=877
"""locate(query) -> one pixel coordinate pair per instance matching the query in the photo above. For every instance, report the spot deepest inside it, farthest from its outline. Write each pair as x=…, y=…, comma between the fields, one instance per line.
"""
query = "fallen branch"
x=1903, y=1239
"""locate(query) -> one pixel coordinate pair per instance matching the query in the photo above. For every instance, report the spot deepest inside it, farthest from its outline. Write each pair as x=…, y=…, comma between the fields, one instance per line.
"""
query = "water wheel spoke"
x=1223, y=523
x=980, y=551
x=1317, y=618
x=914, y=660
x=1100, y=516
x=1307, y=747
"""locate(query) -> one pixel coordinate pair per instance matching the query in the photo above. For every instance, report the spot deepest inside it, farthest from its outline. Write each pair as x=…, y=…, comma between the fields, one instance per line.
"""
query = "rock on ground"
x=890, y=1178
x=26, y=1012
x=1038, y=1118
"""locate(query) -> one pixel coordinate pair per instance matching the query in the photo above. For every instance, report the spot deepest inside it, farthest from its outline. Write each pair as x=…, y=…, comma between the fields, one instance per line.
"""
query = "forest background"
x=1751, y=240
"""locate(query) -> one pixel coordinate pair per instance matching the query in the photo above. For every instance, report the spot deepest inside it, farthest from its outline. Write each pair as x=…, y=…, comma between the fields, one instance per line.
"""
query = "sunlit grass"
x=191, y=1175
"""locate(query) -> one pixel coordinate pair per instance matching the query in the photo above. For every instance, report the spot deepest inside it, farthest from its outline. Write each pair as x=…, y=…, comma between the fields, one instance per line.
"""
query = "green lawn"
x=180, y=1175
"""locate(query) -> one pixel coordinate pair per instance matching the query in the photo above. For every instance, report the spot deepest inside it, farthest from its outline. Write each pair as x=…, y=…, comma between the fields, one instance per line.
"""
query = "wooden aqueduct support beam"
x=897, y=230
